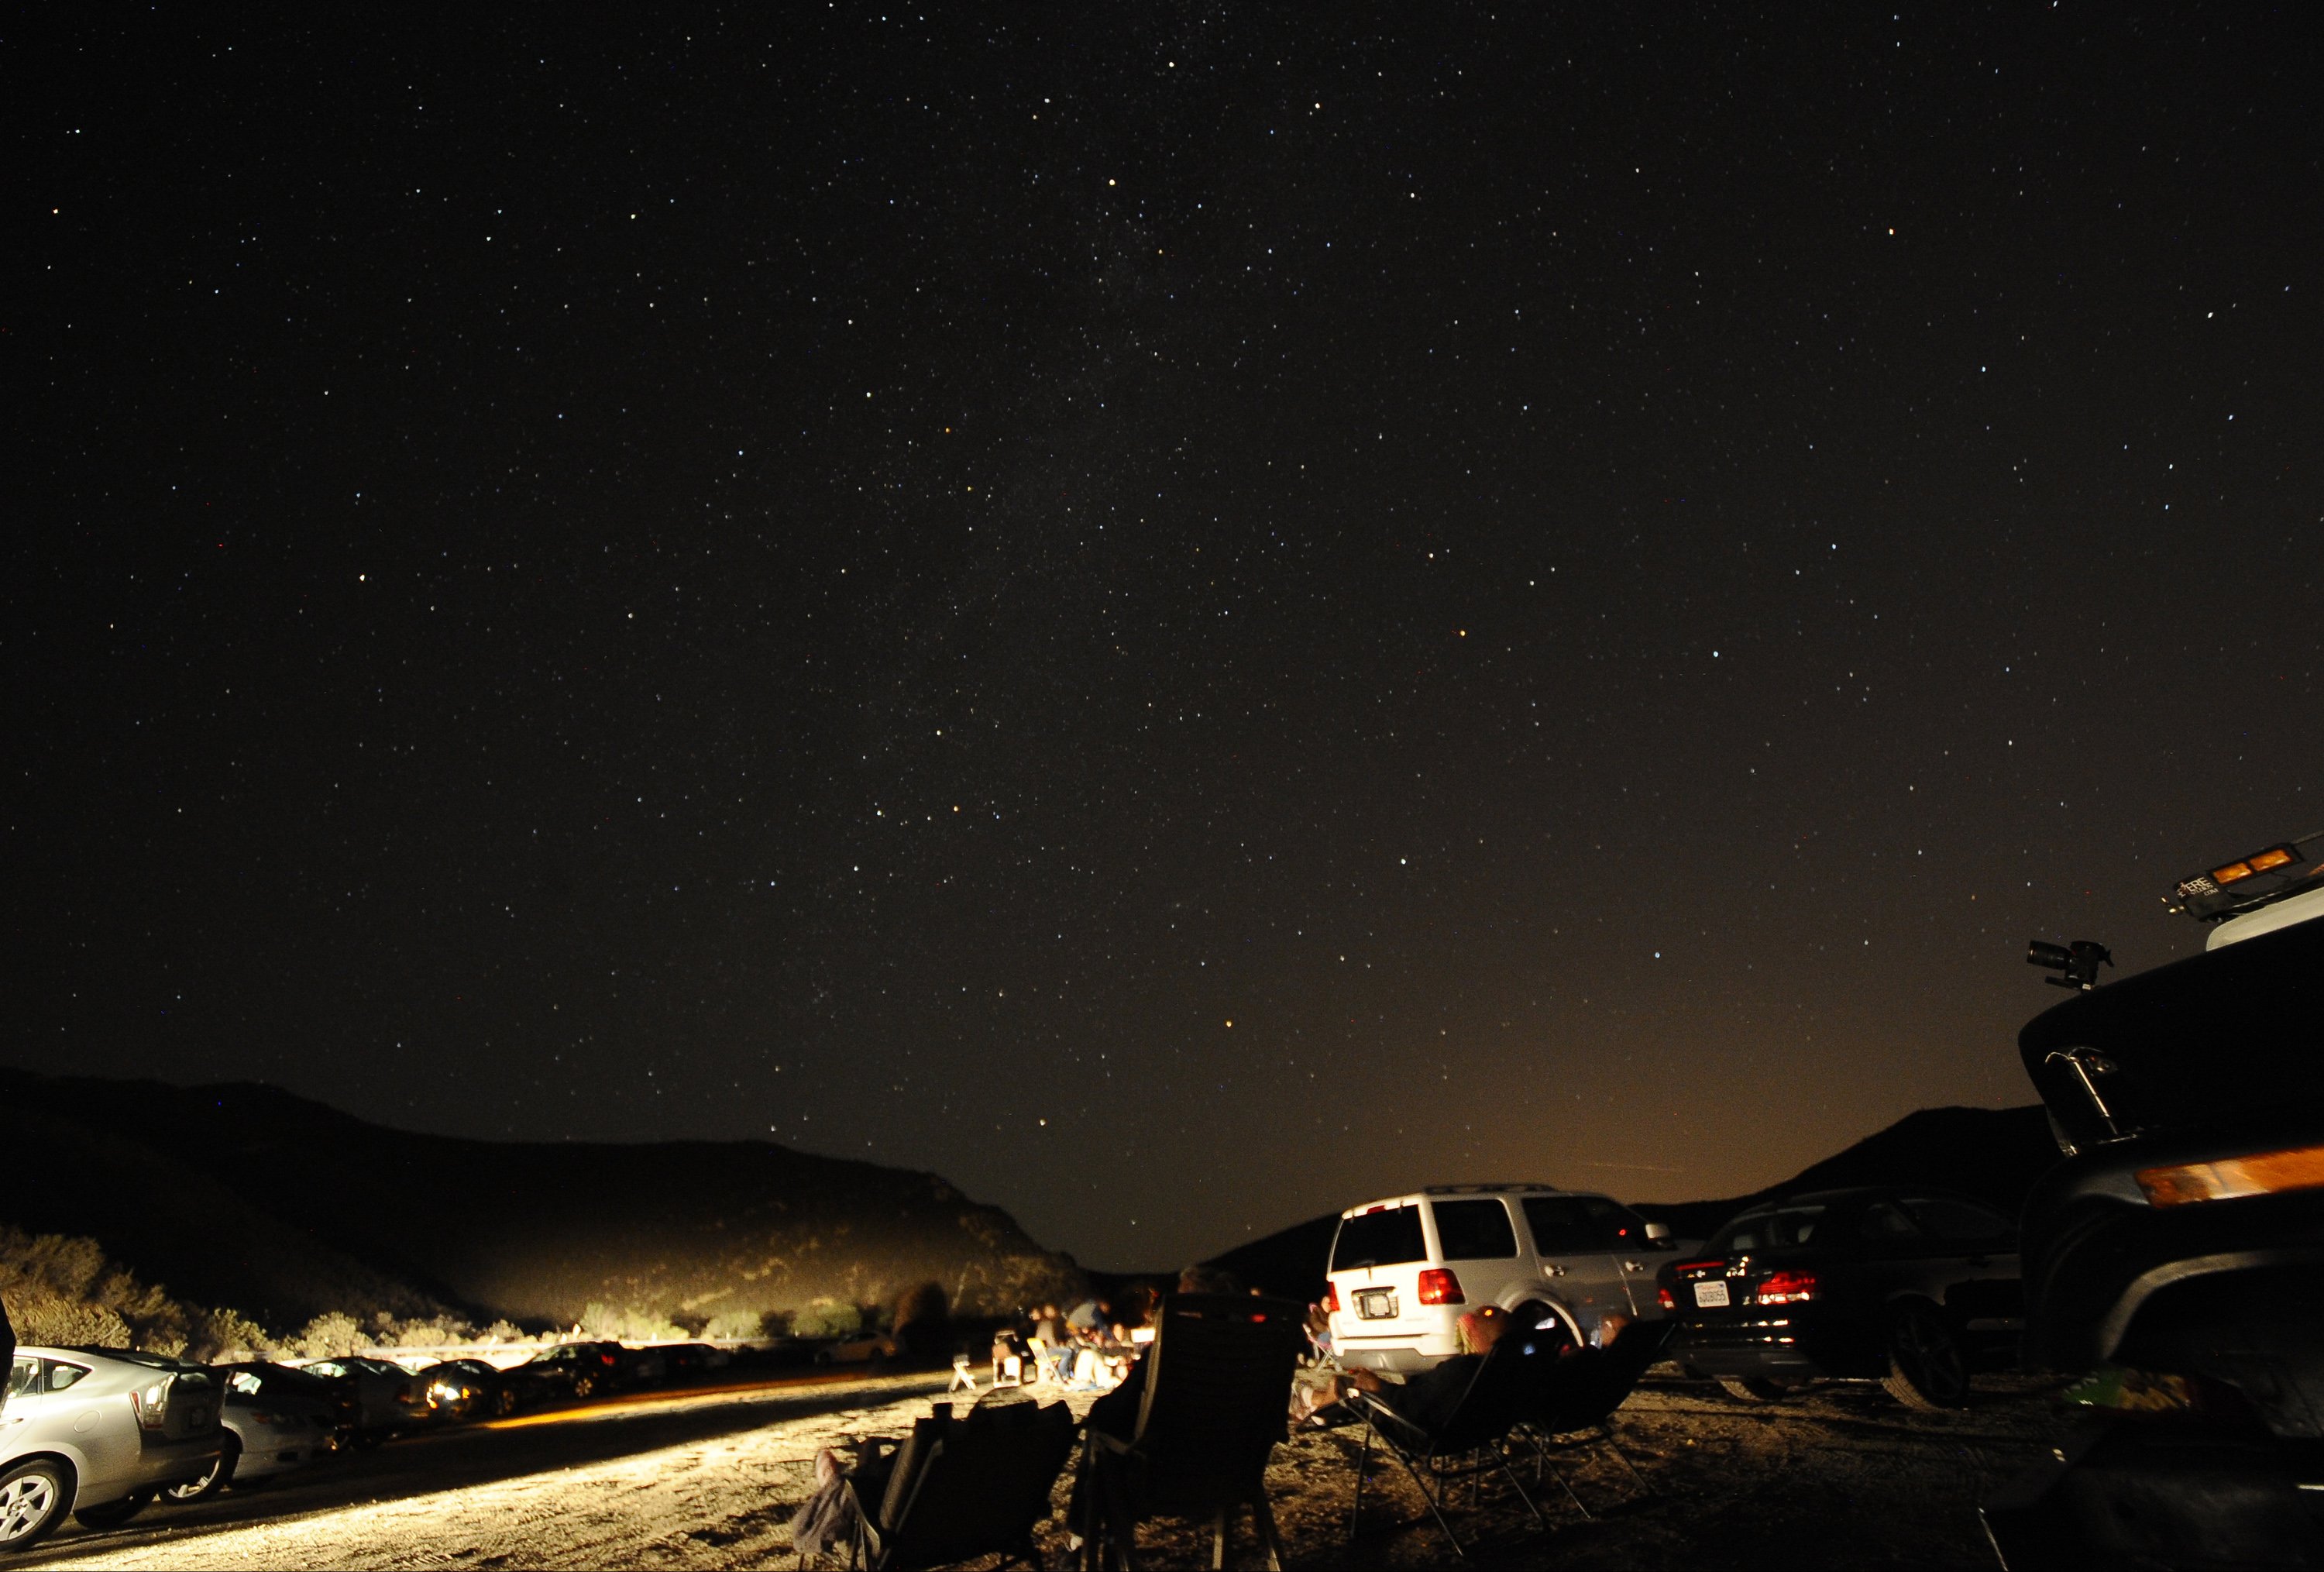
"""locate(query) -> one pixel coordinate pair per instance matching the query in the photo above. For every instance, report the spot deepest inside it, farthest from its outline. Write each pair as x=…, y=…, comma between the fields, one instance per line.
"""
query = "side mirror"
x=1658, y=1234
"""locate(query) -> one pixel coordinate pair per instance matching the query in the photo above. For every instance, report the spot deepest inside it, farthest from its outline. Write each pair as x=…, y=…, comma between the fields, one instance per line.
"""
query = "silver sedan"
x=98, y=1432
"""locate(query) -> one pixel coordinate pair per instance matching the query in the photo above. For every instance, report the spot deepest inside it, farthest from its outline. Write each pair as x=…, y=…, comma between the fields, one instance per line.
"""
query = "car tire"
x=1927, y=1368
x=113, y=1513
x=1755, y=1389
x=503, y=1402
x=583, y=1385
x=220, y=1474
x=33, y=1497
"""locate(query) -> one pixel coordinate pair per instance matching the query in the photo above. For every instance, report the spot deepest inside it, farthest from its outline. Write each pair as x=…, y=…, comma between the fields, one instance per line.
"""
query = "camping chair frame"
x=1566, y=1423
x=1216, y=1402
x=1472, y=1443
x=902, y=1542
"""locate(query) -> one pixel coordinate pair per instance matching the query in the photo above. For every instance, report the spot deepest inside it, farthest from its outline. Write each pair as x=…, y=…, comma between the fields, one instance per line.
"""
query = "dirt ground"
x=1837, y=1477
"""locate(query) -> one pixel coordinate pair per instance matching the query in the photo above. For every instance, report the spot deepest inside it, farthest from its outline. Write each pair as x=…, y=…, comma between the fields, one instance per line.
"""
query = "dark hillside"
x=245, y=1195
x=1993, y=1154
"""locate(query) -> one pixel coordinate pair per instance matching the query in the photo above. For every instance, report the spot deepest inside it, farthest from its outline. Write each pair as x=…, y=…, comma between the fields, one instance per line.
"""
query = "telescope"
x=2079, y=961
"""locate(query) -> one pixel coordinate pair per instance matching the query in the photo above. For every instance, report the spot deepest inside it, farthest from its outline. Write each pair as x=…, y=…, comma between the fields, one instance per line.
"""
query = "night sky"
x=1185, y=616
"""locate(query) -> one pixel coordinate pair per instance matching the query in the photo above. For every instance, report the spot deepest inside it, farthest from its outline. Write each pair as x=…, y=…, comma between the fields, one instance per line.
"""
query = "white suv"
x=1404, y=1269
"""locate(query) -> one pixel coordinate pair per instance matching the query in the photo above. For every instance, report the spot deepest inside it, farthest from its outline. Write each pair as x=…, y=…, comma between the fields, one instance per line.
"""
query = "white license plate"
x=1375, y=1305
x=1711, y=1296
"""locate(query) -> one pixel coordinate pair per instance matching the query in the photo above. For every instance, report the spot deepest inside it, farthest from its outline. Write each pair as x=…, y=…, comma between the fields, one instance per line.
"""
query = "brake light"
x=1663, y=1296
x=146, y=1402
x=1787, y=1288
x=2300, y=1168
x=1696, y=1265
x=1332, y=1297
x=1438, y=1286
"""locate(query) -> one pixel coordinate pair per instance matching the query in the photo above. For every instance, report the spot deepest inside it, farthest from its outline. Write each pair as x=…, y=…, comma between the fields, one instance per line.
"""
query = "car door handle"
x=1553, y=1268
x=1634, y=1266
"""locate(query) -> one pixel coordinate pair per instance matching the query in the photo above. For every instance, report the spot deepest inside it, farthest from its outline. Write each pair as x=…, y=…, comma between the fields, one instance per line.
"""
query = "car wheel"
x=33, y=1500
x=1926, y=1367
x=504, y=1402
x=216, y=1478
x=113, y=1513
x=583, y=1385
x=1755, y=1388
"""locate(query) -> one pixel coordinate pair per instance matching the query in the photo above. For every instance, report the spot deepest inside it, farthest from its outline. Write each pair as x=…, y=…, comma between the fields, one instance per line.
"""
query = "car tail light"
x=1787, y=1288
x=2264, y=1173
x=147, y=1404
x=1332, y=1297
x=1438, y=1286
x=1663, y=1297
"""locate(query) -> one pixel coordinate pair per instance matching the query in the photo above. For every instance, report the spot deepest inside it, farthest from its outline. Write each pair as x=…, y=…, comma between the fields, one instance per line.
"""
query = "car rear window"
x=1387, y=1238
x=1475, y=1230
x=1769, y=1230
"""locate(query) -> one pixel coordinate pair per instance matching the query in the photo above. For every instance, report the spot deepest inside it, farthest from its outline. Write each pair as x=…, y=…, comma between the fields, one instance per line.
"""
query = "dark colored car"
x=259, y=1379
x=576, y=1370
x=470, y=1389
x=1915, y=1288
x=391, y=1398
x=2175, y=1259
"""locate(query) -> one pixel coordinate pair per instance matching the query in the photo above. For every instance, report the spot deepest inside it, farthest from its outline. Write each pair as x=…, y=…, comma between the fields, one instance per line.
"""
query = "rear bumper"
x=161, y=1462
x=1403, y=1355
x=1776, y=1347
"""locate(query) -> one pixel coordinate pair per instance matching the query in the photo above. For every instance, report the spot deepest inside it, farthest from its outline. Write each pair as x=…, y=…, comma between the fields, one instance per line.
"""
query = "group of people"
x=1096, y=1343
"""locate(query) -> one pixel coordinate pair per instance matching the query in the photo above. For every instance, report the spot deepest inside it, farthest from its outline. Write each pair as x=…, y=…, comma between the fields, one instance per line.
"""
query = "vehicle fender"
x=1542, y=1294
x=75, y=1468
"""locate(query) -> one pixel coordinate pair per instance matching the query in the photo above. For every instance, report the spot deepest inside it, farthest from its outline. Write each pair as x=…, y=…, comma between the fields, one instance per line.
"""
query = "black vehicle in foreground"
x=1915, y=1288
x=2175, y=1259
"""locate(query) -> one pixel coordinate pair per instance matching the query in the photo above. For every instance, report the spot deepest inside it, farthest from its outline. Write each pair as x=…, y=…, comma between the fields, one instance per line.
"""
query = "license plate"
x=1711, y=1296
x=197, y=1417
x=1375, y=1304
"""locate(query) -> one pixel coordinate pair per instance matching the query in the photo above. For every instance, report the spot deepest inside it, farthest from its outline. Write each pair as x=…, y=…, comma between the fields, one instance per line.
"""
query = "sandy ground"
x=1838, y=1477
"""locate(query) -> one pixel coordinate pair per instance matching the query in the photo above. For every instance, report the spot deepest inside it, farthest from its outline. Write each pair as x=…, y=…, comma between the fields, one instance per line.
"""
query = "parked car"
x=98, y=1433
x=261, y=1380
x=470, y=1389
x=1404, y=1270
x=647, y=1365
x=2176, y=1257
x=576, y=1370
x=390, y=1397
x=1915, y=1288
x=693, y=1361
x=265, y=1436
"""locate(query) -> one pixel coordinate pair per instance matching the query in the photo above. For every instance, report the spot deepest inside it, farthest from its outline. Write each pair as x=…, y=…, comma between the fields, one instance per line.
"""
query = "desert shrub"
x=735, y=1324
x=47, y=1320
x=329, y=1336
x=827, y=1317
x=628, y=1323
x=222, y=1331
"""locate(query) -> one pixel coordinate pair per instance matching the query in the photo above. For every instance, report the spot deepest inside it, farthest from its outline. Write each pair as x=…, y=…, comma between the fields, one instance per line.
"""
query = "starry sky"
x=1184, y=615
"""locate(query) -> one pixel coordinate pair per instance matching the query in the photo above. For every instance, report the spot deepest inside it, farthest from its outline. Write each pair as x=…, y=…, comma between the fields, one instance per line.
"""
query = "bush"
x=735, y=1324
x=629, y=1323
x=329, y=1336
x=827, y=1317
x=923, y=1321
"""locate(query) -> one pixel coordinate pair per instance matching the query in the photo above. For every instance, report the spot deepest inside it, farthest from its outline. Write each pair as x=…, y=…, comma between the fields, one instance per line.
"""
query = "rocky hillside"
x=246, y=1196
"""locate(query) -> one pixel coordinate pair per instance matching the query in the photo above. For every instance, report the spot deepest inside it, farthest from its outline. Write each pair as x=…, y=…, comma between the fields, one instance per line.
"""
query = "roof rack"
x=2252, y=880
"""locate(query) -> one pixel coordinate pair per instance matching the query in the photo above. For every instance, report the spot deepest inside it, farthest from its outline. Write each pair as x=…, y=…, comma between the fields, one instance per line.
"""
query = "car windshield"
x=1384, y=1238
x=1774, y=1228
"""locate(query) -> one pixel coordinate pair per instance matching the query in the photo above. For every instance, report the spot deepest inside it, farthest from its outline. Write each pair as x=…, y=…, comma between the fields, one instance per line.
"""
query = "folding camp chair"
x=1469, y=1444
x=1216, y=1400
x=1570, y=1408
x=965, y=1488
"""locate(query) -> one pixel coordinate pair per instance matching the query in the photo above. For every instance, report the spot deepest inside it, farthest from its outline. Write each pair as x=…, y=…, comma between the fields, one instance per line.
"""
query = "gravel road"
x=707, y=1480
